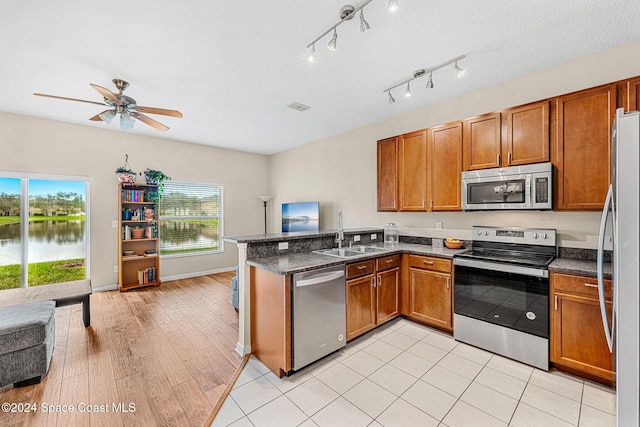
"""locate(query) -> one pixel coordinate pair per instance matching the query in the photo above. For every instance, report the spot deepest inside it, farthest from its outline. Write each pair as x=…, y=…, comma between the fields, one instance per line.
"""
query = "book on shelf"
x=148, y=275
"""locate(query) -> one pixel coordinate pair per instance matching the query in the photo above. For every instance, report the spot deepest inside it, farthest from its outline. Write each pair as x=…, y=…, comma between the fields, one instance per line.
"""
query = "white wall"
x=340, y=172
x=33, y=145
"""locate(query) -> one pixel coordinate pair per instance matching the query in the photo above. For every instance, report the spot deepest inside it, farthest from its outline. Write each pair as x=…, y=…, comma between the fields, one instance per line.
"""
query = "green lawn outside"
x=16, y=219
x=43, y=273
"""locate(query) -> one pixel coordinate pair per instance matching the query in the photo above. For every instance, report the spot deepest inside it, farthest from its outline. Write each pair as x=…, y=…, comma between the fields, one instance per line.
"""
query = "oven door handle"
x=505, y=268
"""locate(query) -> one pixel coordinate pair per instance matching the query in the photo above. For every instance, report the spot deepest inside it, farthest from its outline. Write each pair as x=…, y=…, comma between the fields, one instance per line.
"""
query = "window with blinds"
x=191, y=218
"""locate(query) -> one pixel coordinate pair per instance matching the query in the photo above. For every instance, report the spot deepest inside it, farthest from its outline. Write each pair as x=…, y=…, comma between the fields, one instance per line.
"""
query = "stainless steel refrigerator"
x=622, y=207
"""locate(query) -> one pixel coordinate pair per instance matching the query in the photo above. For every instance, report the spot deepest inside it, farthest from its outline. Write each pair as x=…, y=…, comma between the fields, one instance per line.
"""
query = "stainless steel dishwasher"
x=319, y=314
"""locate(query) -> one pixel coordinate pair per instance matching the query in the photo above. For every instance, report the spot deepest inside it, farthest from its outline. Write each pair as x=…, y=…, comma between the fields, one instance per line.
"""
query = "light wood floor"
x=168, y=350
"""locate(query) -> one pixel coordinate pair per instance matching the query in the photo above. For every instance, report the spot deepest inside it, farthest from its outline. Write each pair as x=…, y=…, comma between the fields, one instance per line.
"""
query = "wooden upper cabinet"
x=388, y=174
x=412, y=171
x=581, y=147
x=526, y=134
x=629, y=95
x=444, y=151
x=482, y=141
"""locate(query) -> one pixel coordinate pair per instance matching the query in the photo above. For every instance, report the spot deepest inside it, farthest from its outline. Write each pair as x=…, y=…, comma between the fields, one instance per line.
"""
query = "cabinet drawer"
x=358, y=269
x=430, y=263
x=388, y=262
x=579, y=284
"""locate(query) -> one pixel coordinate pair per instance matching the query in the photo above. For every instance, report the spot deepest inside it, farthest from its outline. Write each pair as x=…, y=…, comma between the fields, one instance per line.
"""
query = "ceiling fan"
x=124, y=105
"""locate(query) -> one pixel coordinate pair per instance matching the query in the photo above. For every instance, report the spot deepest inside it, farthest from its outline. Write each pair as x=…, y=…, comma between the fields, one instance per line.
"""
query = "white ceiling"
x=232, y=67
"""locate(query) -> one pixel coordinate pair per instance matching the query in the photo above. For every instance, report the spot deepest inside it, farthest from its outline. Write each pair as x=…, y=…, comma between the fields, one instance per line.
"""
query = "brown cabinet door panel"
x=430, y=297
x=412, y=157
x=527, y=134
x=388, y=174
x=482, y=142
x=582, y=147
x=387, y=289
x=445, y=171
x=361, y=306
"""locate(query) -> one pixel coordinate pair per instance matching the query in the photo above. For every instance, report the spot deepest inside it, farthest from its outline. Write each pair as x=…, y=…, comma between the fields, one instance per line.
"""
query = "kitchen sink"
x=350, y=252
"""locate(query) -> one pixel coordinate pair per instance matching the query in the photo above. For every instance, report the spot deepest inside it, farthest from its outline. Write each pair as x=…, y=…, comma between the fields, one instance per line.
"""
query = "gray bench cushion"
x=26, y=325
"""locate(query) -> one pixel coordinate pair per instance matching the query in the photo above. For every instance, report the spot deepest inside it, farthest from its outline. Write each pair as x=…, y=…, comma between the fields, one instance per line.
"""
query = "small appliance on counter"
x=391, y=234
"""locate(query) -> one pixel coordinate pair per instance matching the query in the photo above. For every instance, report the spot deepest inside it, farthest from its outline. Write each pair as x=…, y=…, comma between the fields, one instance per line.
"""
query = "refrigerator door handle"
x=603, y=305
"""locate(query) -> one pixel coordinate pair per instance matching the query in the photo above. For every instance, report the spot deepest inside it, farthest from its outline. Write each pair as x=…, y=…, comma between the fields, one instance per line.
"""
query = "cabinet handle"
x=556, y=302
x=428, y=262
x=448, y=282
x=423, y=203
x=362, y=267
x=373, y=282
x=498, y=159
x=431, y=204
x=379, y=281
x=590, y=285
x=394, y=205
x=509, y=158
x=389, y=261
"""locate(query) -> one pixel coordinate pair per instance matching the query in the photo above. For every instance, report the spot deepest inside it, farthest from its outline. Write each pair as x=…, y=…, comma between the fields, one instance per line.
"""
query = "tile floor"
x=405, y=374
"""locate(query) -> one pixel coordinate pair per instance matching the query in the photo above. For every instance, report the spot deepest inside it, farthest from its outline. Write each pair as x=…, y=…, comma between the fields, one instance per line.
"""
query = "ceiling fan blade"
x=69, y=99
x=148, y=120
x=106, y=93
x=97, y=117
x=105, y=116
x=163, y=111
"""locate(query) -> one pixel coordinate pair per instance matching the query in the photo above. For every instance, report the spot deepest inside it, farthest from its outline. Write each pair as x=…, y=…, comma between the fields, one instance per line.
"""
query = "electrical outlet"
x=114, y=223
x=356, y=238
x=283, y=245
x=115, y=268
x=438, y=225
x=374, y=236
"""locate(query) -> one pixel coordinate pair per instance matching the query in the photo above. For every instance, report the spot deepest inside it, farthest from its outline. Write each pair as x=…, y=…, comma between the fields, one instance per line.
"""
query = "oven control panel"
x=526, y=236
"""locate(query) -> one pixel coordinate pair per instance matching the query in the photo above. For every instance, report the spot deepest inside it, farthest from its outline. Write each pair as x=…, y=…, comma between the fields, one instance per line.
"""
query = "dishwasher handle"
x=320, y=278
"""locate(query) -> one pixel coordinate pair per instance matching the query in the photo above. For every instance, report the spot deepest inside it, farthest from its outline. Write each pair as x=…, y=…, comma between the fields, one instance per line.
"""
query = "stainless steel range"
x=501, y=292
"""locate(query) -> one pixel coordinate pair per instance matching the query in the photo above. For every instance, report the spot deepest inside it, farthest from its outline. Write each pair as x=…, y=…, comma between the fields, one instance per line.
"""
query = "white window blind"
x=191, y=218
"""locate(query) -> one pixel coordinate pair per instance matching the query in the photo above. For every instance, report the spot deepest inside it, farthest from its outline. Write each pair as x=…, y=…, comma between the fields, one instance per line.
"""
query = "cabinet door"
x=577, y=335
x=581, y=143
x=388, y=174
x=482, y=141
x=527, y=134
x=445, y=172
x=361, y=306
x=430, y=298
x=387, y=283
x=412, y=156
x=629, y=94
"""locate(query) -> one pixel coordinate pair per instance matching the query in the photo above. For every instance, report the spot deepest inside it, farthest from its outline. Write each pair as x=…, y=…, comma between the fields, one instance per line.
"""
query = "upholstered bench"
x=27, y=337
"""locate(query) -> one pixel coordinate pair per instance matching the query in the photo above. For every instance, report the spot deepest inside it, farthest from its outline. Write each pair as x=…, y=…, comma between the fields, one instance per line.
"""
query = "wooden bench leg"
x=86, y=310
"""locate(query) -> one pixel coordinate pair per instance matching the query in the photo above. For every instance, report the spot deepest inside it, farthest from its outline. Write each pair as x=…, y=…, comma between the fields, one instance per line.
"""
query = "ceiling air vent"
x=298, y=107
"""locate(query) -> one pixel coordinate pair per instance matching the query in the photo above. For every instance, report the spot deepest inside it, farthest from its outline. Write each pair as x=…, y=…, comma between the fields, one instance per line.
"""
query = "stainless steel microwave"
x=511, y=188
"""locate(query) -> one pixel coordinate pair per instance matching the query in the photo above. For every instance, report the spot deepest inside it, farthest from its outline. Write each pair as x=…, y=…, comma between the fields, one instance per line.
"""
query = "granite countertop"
x=578, y=266
x=303, y=261
x=273, y=237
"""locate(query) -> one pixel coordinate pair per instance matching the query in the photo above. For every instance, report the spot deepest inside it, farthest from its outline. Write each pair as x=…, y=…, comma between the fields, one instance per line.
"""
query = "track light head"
x=391, y=98
x=364, y=25
x=312, y=53
x=459, y=71
x=430, y=81
x=407, y=92
x=333, y=43
x=393, y=6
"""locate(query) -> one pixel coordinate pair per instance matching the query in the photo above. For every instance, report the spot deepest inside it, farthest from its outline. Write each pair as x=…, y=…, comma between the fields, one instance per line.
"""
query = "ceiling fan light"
x=312, y=53
x=107, y=116
x=333, y=43
x=407, y=92
x=364, y=25
x=126, y=121
x=459, y=71
x=393, y=6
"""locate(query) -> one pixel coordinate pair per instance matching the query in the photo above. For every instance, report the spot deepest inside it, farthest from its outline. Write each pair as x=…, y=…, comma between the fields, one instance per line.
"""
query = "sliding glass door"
x=43, y=230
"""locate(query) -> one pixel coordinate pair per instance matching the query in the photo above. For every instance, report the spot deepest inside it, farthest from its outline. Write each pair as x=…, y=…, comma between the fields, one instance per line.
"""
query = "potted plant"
x=125, y=174
x=126, y=214
x=155, y=177
x=137, y=232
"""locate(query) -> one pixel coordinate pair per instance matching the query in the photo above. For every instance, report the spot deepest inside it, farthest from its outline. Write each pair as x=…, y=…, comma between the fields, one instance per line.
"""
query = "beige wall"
x=32, y=145
x=340, y=172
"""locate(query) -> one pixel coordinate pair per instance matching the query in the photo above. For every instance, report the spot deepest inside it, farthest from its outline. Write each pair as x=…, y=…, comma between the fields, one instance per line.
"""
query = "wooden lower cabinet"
x=372, y=294
x=429, y=296
x=578, y=342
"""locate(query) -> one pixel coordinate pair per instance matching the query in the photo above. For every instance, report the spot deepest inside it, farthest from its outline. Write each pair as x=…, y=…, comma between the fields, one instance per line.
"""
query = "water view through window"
x=51, y=246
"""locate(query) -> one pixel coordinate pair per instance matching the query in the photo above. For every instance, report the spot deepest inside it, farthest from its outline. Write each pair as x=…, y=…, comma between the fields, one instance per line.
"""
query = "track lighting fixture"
x=421, y=72
x=346, y=14
x=459, y=71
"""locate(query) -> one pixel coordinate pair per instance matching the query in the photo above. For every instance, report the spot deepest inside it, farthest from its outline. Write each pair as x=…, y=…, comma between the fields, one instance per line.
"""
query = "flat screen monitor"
x=303, y=216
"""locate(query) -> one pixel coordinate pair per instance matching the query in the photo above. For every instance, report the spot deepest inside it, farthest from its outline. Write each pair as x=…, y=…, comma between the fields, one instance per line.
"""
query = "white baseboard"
x=241, y=350
x=196, y=274
x=105, y=288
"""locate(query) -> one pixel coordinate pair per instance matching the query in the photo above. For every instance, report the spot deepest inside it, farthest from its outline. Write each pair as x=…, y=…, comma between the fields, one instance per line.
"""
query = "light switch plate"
x=114, y=223
x=374, y=236
x=283, y=245
x=438, y=225
x=356, y=238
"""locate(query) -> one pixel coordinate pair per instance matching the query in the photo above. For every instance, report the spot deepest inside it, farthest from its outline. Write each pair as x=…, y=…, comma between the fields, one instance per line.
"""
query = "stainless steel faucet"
x=340, y=236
